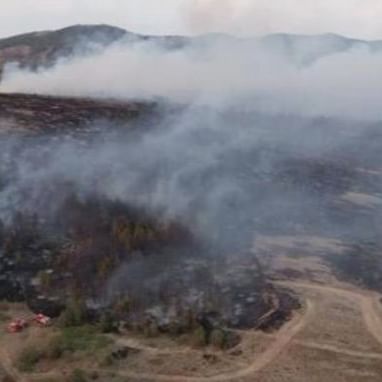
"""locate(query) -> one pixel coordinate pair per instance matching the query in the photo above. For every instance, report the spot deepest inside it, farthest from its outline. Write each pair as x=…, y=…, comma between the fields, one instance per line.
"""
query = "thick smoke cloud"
x=222, y=172
x=354, y=18
x=219, y=70
x=247, y=154
x=260, y=17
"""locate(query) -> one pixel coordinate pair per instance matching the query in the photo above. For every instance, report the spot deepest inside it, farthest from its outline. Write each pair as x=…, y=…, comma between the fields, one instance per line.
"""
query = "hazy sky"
x=358, y=18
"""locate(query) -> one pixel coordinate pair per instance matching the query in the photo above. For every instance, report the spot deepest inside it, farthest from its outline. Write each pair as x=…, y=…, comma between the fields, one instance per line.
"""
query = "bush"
x=199, y=337
x=107, y=324
x=75, y=314
x=4, y=308
x=28, y=359
x=4, y=316
x=77, y=375
x=84, y=338
x=107, y=361
x=94, y=376
x=54, y=350
x=122, y=306
x=150, y=329
x=8, y=378
x=218, y=338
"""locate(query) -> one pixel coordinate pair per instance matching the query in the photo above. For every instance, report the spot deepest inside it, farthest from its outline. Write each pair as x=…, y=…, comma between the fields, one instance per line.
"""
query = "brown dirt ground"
x=336, y=337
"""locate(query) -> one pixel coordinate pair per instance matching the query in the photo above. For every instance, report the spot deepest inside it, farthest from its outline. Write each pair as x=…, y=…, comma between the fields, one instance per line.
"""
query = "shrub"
x=54, y=349
x=75, y=314
x=107, y=361
x=199, y=338
x=150, y=329
x=4, y=316
x=84, y=338
x=77, y=375
x=122, y=306
x=28, y=359
x=94, y=375
x=4, y=306
x=8, y=378
x=107, y=324
x=218, y=338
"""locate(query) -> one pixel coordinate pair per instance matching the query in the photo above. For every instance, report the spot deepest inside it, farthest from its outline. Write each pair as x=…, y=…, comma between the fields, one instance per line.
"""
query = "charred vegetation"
x=86, y=257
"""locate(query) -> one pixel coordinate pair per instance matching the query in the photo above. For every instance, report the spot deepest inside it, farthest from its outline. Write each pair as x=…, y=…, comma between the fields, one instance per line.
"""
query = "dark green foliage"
x=150, y=329
x=199, y=337
x=77, y=375
x=28, y=359
x=4, y=315
x=218, y=338
x=107, y=323
x=84, y=338
x=54, y=350
x=75, y=314
x=8, y=378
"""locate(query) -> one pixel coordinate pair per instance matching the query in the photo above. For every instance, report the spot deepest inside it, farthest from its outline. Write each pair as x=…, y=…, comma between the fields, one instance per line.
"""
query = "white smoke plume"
x=218, y=70
x=223, y=165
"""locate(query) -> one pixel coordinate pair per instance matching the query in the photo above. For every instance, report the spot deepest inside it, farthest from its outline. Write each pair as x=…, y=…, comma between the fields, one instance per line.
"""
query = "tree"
x=75, y=314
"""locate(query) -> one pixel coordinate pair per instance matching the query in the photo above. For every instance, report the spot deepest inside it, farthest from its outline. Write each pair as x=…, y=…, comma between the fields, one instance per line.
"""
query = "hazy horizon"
x=194, y=17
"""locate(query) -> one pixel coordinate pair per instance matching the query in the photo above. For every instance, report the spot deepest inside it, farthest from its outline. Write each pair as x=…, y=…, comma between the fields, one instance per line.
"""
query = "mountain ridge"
x=44, y=48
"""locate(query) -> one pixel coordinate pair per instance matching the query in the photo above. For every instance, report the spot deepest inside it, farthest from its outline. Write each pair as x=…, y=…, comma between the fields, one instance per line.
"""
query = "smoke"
x=260, y=17
x=223, y=173
x=244, y=17
x=247, y=153
x=316, y=80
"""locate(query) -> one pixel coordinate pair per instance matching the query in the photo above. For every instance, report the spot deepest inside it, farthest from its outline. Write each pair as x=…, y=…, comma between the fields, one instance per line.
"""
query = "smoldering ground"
x=226, y=175
x=222, y=173
x=250, y=109
x=260, y=144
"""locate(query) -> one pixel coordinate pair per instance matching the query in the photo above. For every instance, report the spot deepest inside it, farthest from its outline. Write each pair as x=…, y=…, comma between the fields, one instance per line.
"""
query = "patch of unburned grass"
x=82, y=338
x=85, y=340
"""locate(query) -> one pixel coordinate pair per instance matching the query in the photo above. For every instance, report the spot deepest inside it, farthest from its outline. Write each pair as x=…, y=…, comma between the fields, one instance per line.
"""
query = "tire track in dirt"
x=338, y=350
x=366, y=300
x=283, y=339
x=286, y=335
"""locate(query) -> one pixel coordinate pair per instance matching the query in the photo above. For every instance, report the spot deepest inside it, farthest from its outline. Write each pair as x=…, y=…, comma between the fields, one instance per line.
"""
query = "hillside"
x=43, y=48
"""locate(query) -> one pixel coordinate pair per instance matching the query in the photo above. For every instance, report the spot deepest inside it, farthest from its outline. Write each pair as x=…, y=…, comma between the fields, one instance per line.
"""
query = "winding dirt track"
x=339, y=350
x=282, y=339
x=367, y=301
x=286, y=336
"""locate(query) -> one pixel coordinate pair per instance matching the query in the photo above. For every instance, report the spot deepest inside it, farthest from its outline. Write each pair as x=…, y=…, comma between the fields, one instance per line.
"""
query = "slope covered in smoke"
x=44, y=48
x=40, y=49
x=280, y=74
x=118, y=204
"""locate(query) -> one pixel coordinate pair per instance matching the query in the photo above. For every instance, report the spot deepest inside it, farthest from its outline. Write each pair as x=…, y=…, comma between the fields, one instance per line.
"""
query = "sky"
x=354, y=18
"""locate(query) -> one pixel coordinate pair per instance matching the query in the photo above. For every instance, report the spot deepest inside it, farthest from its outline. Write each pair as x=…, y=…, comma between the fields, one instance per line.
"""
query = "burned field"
x=104, y=220
x=74, y=251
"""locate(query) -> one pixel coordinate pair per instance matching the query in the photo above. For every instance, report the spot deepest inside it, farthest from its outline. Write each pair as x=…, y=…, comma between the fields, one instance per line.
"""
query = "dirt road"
x=282, y=339
x=367, y=302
